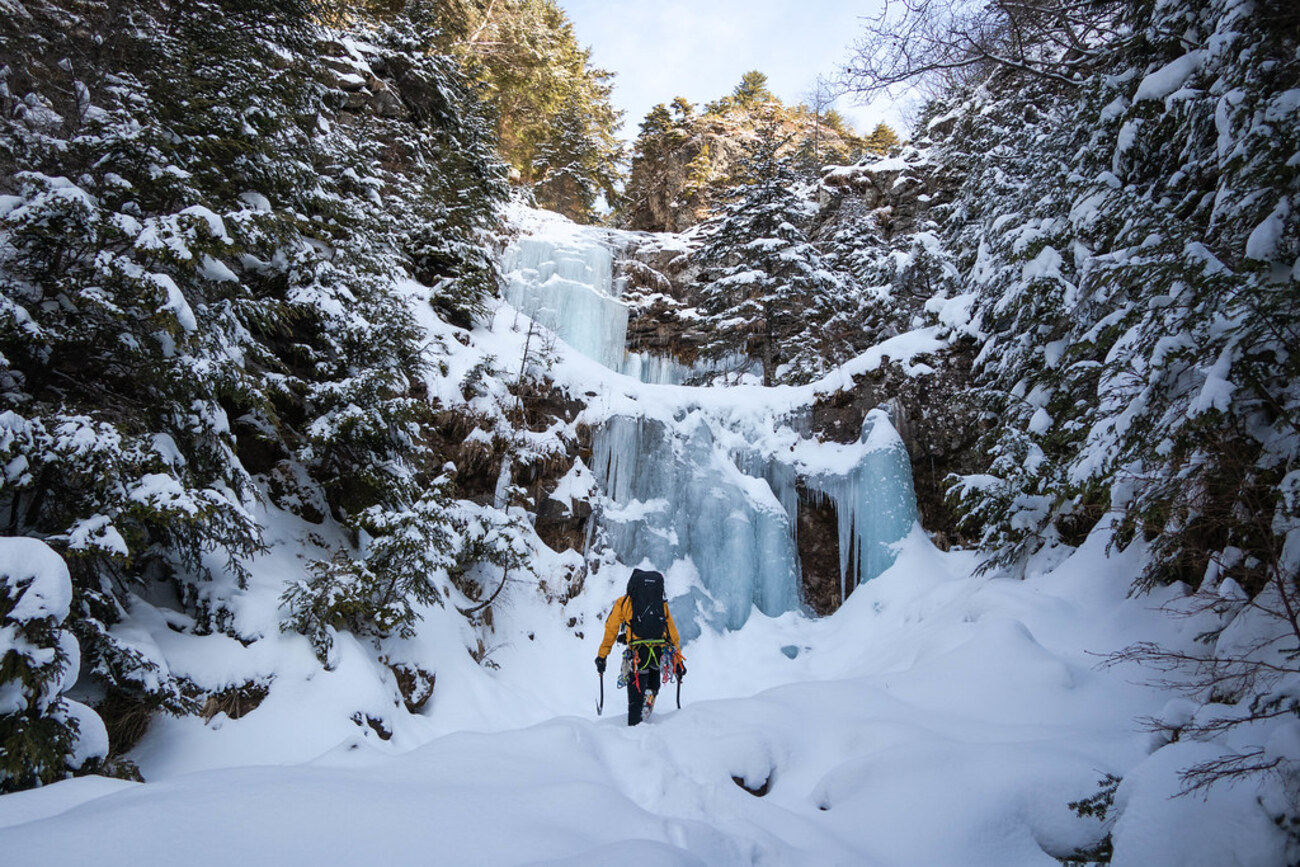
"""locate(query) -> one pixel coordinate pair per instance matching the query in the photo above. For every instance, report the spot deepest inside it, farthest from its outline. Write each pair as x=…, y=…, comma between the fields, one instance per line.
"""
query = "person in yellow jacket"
x=651, y=637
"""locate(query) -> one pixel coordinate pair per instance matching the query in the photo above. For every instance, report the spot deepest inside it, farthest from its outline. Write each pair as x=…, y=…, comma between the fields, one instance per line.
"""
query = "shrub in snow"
x=378, y=593
x=405, y=556
x=43, y=736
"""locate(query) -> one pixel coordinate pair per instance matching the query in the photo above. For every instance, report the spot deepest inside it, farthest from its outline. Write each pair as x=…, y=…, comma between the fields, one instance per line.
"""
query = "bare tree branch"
x=912, y=41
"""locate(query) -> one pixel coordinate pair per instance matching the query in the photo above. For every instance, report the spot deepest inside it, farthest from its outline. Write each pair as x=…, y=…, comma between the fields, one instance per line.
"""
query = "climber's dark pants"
x=641, y=682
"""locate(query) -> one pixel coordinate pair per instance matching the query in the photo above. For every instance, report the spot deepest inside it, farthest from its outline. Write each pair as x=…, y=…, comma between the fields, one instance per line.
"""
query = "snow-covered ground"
x=938, y=718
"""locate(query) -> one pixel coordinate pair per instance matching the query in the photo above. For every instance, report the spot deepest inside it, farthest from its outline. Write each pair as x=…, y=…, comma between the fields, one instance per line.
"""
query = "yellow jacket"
x=621, y=614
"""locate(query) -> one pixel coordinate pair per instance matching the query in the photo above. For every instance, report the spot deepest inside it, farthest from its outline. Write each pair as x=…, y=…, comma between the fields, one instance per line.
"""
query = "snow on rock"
x=577, y=484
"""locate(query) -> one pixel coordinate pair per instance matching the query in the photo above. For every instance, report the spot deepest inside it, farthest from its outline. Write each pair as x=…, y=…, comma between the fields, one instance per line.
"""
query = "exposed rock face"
x=415, y=684
x=898, y=191
x=656, y=275
x=464, y=440
x=819, y=554
x=362, y=89
x=560, y=525
x=674, y=193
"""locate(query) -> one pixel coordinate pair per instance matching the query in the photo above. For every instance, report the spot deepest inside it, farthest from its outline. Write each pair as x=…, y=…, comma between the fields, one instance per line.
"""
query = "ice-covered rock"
x=566, y=285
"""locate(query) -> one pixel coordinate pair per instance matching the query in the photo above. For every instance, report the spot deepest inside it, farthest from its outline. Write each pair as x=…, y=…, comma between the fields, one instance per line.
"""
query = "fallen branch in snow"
x=505, y=575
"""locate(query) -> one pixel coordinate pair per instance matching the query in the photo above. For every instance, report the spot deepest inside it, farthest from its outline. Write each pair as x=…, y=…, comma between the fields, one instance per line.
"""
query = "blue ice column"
x=875, y=502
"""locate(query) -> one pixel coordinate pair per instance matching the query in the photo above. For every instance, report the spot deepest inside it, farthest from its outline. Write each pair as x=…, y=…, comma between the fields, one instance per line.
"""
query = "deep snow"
x=936, y=719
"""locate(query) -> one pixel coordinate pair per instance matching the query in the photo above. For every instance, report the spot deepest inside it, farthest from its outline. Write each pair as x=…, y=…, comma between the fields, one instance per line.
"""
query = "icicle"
x=501, y=496
x=654, y=369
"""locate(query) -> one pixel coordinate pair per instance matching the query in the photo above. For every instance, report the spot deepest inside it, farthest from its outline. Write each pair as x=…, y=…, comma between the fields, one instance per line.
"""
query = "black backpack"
x=645, y=590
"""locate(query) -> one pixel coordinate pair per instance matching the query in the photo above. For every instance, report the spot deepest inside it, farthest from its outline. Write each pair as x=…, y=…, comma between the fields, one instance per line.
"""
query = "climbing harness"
x=656, y=651
x=633, y=664
x=658, y=654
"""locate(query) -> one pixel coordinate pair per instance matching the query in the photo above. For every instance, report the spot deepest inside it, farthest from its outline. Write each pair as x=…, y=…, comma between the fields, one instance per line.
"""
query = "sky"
x=660, y=50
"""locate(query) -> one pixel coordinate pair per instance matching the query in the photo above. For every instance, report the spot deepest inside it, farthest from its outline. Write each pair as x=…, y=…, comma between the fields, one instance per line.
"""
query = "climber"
x=652, y=641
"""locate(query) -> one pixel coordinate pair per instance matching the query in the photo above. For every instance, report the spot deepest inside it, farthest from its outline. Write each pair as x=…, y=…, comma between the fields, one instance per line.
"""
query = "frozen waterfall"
x=673, y=494
x=702, y=493
x=875, y=501
x=566, y=284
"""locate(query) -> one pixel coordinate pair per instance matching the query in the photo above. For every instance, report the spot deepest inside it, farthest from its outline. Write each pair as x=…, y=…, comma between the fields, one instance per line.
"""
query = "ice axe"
x=600, y=705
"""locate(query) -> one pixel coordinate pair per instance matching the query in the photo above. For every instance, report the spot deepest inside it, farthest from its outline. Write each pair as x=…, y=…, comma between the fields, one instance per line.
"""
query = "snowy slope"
x=936, y=719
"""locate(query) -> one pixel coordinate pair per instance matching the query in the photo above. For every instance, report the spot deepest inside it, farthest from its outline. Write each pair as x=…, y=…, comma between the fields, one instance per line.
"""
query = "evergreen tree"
x=572, y=167
x=553, y=108
x=663, y=134
x=752, y=91
x=749, y=96
x=882, y=140
x=1110, y=371
x=765, y=290
x=684, y=162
